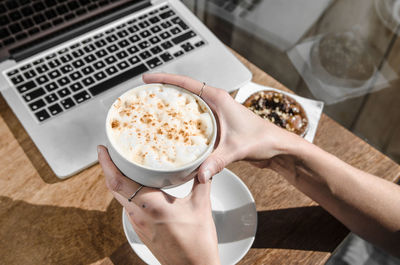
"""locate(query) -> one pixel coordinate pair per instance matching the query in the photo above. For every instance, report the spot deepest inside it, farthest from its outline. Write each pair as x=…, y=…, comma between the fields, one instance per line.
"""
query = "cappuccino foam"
x=159, y=126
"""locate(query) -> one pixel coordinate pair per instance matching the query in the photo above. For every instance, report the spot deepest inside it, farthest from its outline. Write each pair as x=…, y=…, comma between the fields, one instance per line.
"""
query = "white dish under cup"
x=234, y=214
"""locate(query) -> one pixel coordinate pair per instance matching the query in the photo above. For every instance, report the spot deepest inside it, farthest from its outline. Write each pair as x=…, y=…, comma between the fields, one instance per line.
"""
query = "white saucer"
x=234, y=213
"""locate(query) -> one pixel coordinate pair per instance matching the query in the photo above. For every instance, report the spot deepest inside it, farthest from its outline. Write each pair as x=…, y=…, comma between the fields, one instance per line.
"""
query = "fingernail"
x=98, y=149
x=206, y=175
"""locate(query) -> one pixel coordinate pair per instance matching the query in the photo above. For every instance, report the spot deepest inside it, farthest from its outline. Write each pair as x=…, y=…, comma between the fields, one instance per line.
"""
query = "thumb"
x=211, y=166
x=200, y=191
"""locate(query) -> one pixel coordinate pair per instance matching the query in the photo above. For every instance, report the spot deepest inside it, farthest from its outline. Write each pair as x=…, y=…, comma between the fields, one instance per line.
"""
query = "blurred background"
x=345, y=53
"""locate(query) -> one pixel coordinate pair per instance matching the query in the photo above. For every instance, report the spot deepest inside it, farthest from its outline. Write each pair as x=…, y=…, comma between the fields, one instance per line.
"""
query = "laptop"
x=63, y=63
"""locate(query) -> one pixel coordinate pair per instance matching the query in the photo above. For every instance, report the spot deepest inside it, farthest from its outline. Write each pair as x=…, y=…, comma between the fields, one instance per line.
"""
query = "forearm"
x=366, y=204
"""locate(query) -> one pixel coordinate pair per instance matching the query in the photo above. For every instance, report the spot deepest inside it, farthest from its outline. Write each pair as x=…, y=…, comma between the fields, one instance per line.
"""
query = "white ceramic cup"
x=158, y=178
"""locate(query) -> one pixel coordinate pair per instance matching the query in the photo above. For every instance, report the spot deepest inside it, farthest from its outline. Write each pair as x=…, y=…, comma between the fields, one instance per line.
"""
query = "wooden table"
x=44, y=220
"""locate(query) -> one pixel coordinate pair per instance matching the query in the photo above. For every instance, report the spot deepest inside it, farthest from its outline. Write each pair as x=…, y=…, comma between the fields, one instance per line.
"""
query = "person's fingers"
x=216, y=162
x=114, y=179
x=210, y=94
x=200, y=191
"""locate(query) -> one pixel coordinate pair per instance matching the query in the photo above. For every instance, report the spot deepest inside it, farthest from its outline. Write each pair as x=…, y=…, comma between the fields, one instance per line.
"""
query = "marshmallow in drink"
x=159, y=126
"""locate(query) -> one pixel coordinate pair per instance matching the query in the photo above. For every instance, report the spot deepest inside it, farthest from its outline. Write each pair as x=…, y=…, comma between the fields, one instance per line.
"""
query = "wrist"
x=291, y=144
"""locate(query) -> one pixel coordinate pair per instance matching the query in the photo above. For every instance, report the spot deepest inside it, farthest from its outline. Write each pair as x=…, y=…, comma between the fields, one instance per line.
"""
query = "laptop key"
x=63, y=92
x=154, y=62
x=29, y=74
x=134, y=38
x=42, y=79
x=76, y=86
x=100, y=43
x=144, y=24
x=178, y=53
x=133, y=50
x=42, y=68
x=155, y=50
x=88, y=81
x=66, y=69
x=67, y=103
x=78, y=63
x=34, y=94
x=134, y=60
x=133, y=29
x=81, y=97
x=51, y=87
x=55, y=74
x=89, y=48
x=77, y=53
x=166, y=57
x=55, y=109
x=13, y=72
x=122, y=33
x=122, y=65
x=37, y=104
x=111, y=38
x=155, y=29
x=26, y=86
x=25, y=67
x=179, y=21
x=63, y=81
x=66, y=58
x=123, y=43
x=90, y=58
x=118, y=79
x=112, y=48
x=187, y=47
x=99, y=64
x=145, y=55
x=42, y=115
x=100, y=76
x=75, y=75
x=166, y=24
x=183, y=37
x=17, y=79
x=55, y=63
x=154, y=20
x=111, y=70
x=165, y=35
x=51, y=98
x=166, y=45
x=121, y=55
x=87, y=70
x=175, y=30
x=111, y=59
x=200, y=43
x=154, y=40
x=167, y=14
x=145, y=33
x=144, y=44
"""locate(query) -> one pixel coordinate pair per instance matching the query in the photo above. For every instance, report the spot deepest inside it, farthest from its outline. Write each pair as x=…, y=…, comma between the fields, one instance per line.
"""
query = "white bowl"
x=157, y=178
x=234, y=214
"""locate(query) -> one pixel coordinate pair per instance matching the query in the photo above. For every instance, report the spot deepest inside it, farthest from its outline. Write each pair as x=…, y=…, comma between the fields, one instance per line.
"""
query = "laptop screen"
x=24, y=23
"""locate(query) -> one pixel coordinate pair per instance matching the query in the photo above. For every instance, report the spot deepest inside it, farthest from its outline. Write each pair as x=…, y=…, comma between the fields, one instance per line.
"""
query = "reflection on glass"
x=389, y=13
x=342, y=59
x=280, y=23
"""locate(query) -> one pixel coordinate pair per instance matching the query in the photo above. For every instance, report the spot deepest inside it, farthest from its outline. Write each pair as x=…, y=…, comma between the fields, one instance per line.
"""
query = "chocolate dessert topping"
x=280, y=109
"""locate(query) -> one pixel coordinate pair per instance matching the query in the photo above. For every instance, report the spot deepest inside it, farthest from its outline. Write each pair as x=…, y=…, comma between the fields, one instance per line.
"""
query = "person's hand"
x=177, y=231
x=242, y=134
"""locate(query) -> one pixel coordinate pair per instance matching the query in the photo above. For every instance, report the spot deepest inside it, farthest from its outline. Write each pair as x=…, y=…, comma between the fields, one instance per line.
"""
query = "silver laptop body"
x=68, y=138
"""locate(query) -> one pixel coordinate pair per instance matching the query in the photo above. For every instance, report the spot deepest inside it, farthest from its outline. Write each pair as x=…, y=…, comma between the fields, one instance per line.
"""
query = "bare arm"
x=368, y=205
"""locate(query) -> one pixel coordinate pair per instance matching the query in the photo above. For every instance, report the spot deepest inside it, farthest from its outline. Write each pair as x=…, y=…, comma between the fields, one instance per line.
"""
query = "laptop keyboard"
x=72, y=75
x=20, y=19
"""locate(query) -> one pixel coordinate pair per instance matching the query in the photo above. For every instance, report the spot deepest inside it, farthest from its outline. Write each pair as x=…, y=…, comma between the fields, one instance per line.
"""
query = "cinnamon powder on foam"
x=160, y=127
